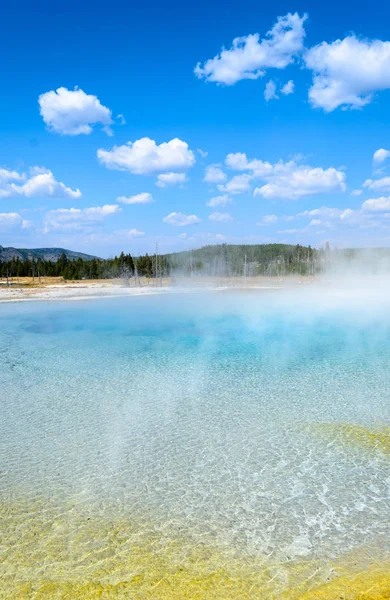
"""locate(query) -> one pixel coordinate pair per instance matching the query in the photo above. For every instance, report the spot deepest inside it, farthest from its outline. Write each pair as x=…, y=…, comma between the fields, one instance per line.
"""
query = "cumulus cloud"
x=249, y=57
x=343, y=219
x=223, y=200
x=381, y=155
x=10, y=221
x=377, y=204
x=285, y=179
x=348, y=72
x=383, y=185
x=270, y=91
x=326, y=212
x=268, y=220
x=178, y=219
x=143, y=198
x=288, y=88
x=238, y=161
x=73, y=112
x=136, y=233
x=239, y=184
x=41, y=182
x=168, y=179
x=214, y=174
x=326, y=217
x=144, y=156
x=6, y=175
x=356, y=192
x=26, y=224
x=220, y=217
x=78, y=219
x=292, y=181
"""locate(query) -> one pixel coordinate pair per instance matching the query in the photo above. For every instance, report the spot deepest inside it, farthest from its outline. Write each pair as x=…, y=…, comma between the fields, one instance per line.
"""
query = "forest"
x=225, y=260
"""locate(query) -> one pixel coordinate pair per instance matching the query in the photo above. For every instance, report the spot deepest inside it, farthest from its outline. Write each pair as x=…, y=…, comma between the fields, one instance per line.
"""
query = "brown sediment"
x=72, y=553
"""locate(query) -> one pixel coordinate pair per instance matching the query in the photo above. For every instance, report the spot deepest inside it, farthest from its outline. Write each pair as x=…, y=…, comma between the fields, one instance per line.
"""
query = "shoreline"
x=93, y=290
x=51, y=296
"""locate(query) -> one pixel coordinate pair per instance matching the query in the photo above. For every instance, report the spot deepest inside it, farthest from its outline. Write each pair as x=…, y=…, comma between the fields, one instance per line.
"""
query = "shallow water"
x=216, y=422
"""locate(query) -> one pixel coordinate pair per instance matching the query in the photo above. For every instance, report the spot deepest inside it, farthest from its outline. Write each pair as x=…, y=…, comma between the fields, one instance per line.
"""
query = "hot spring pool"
x=194, y=446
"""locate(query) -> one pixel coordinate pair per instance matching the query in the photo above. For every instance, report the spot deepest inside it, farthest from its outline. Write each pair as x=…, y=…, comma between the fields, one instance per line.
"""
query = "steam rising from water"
x=201, y=415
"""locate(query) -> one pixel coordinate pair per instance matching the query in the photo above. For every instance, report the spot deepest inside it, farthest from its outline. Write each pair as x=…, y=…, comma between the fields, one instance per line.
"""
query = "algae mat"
x=349, y=435
x=68, y=552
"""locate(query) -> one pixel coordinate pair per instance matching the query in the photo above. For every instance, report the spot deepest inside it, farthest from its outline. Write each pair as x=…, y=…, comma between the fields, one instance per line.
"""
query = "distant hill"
x=47, y=254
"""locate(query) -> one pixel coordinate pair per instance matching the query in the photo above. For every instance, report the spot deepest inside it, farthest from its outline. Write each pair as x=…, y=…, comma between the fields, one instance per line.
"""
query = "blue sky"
x=112, y=139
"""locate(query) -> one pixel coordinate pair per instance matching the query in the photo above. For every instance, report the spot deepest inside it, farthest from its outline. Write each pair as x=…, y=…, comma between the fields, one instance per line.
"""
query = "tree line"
x=235, y=260
x=225, y=260
x=122, y=266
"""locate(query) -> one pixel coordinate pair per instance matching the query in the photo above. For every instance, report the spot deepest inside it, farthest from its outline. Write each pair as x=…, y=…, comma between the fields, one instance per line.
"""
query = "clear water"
x=202, y=413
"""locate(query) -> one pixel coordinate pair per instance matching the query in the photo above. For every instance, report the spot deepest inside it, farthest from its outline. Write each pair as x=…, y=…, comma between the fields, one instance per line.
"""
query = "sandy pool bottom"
x=52, y=551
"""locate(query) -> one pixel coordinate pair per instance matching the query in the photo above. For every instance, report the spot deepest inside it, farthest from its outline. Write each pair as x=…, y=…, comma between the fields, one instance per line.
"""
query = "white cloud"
x=136, y=233
x=381, y=155
x=325, y=212
x=292, y=231
x=334, y=218
x=288, y=88
x=144, y=156
x=143, y=198
x=40, y=183
x=6, y=175
x=346, y=214
x=284, y=179
x=377, y=205
x=268, y=220
x=356, y=192
x=220, y=217
x=292, y=181
x=27, y=224
x=270, y=91
x=348, y=72
x=239, y=184
x=340, y=221
x=178, y=219
x=10, y=221
x=250, y=57
x=382, y=185
x=69, y=219
x=219, y=201
x=202, y=153
x=214, y=174
x=73, y=112
x=324, y=217
x=166, y=179
x=238, y=161
x=44, y=184
x=182, y=236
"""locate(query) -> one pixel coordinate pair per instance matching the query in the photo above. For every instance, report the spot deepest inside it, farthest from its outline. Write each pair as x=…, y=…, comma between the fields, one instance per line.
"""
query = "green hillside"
x=46, y=254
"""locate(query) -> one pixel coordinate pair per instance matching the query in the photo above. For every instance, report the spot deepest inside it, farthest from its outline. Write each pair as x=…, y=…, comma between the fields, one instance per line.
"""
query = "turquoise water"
x=201, y=411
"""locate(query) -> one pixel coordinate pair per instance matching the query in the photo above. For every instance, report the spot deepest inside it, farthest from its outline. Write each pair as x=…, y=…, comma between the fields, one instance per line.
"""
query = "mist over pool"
x=250, y=426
